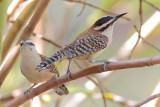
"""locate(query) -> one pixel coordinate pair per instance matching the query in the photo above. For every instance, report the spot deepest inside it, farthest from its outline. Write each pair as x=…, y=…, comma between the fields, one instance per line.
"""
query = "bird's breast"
x=28, y=66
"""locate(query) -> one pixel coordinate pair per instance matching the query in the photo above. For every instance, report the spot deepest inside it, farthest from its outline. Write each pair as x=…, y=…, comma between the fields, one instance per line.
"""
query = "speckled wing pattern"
x=62, y=89
x=87, y=44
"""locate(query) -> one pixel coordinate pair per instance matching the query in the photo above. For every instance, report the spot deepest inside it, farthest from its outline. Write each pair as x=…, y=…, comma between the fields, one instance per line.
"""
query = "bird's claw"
x=68, y=74
x=53, y=78
x=105, y=65
x=26, y=93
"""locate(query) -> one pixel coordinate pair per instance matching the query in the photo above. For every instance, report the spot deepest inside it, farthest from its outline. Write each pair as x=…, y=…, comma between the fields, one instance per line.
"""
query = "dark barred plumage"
x=88, y=45
x=80, y=47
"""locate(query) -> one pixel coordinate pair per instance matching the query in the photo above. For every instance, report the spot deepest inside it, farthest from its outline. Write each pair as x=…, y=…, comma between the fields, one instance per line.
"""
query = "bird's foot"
x=106, y=62
x=68, y=74
x=26, y=93
x=53, y=78
x=105, y=68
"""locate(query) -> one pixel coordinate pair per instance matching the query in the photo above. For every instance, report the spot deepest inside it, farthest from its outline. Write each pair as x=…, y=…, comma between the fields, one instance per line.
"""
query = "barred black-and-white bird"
x=88, y=45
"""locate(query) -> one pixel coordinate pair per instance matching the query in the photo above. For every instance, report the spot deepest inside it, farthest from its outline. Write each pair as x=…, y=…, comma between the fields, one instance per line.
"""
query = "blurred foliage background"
x=61, y=23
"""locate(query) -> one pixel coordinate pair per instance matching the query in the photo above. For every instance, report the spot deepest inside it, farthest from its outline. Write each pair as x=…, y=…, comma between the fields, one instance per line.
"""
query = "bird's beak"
x=117, y=17
x=120, y=15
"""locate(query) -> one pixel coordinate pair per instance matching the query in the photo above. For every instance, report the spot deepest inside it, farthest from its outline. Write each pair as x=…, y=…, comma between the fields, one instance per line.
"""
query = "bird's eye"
x=21, y=44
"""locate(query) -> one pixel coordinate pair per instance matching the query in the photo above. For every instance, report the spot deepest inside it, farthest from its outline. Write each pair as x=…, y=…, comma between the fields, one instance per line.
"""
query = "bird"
x=88, y=45
x=30, y=58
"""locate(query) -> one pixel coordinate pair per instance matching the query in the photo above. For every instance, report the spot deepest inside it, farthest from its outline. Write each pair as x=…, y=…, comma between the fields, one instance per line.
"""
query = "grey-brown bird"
x=88, y=45
x=30, y=58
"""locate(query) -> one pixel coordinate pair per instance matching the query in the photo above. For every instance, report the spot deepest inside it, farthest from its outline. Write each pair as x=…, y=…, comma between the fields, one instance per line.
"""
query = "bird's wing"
x=87, y=44
x=52, y=68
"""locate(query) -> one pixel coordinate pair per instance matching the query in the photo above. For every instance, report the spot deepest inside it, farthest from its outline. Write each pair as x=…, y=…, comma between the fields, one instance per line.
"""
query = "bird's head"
x=27, y=45
x=106, y=23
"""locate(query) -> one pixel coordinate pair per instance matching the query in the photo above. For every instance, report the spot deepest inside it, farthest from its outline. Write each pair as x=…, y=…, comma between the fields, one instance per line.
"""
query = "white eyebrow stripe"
x=102, y=26
x=28, y=41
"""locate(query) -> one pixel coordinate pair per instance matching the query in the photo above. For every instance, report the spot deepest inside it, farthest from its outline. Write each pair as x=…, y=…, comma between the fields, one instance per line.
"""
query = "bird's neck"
x=108, y=33
x=30, y=55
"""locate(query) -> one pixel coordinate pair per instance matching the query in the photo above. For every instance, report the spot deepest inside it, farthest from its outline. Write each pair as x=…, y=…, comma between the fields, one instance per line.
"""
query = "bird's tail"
x=57, y=56
x=61, y=90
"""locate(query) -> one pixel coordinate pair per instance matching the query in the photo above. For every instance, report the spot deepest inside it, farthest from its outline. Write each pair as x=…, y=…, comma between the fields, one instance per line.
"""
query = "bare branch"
x=152, y=5
x=6, y=98
x=14, y=9
x=84, y=5
x=139, y=31
x=101, y=89
x=147, y=100
x=14, y=95
x=45, y=39
x=135, y=44
x=99, y=85
x=94, y=6
x=147, y=42
x=84, y=72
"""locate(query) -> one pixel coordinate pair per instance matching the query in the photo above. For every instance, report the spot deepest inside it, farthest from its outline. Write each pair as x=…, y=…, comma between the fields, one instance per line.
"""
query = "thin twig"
x=16, y=93
x=84, y=5
x=101, y=89
x=147, y=100
x=45, y=39
x=6, y=98
x=94, y=6
x=82, y=73
x=141, y=14
x=139, y=32
x=152, y=5
x=147, y=42
x=129, y=57
x=35, y=18
x=98, y=85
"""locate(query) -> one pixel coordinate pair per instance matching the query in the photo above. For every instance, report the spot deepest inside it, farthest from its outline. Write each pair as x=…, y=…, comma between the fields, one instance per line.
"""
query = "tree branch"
x=147, y=100
x=152, y=5
x=84, y=5
x=101, y=89
x=139, y=31
x=84, y=72
x=94, y=6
